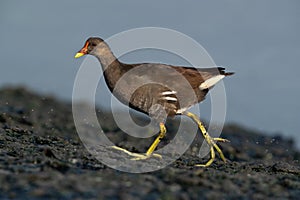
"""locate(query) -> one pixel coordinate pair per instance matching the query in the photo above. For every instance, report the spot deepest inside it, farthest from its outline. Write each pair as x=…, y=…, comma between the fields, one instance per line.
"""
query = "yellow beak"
x=78, y=55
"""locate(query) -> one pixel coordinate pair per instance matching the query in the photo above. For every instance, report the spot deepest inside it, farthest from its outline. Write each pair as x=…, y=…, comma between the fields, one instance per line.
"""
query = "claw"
x=221, y=140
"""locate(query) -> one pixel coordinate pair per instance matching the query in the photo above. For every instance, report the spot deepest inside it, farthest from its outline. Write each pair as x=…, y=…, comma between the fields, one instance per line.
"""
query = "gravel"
x=42, y=157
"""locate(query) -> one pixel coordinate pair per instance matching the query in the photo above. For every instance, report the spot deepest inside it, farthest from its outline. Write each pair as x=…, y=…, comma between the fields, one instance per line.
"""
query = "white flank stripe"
x=170, y=98
x=211, y=82
x=168, y=92
x=181, y=110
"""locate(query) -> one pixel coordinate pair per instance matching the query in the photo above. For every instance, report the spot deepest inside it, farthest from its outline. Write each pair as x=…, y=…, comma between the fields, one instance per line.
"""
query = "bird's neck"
x=111, y=66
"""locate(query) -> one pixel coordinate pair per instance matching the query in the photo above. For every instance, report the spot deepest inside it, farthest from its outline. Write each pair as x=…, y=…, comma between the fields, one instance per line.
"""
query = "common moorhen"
x=157, y=90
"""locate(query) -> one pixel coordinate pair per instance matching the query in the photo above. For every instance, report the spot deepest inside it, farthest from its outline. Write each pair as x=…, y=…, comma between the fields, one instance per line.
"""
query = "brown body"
x=149, y=87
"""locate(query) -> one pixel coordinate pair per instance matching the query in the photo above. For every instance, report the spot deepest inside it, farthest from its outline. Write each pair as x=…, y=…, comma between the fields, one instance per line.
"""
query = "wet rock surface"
x=42, y=157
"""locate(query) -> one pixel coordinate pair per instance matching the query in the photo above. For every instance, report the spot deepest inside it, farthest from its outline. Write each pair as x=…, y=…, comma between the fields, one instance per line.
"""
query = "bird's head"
x=89, y=46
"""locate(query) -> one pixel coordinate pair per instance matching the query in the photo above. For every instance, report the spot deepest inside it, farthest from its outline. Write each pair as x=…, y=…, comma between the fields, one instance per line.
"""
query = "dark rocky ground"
x=42, y=157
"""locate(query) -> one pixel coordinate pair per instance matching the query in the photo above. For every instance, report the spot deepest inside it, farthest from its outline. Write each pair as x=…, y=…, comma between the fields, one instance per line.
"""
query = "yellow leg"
x=149, y=152
x=161, y=135
x=153, y=146
x=209, y=140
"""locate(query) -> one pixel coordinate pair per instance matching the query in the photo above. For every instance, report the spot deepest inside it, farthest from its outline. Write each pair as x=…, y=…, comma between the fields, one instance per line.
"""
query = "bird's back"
x=149, y=87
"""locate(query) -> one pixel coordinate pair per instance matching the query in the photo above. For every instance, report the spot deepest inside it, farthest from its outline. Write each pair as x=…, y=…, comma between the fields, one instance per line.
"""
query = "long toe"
x=137, y=156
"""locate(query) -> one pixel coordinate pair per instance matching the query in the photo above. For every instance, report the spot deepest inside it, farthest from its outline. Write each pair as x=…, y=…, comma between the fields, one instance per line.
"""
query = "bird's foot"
x=213, y=146
x=137, y=156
